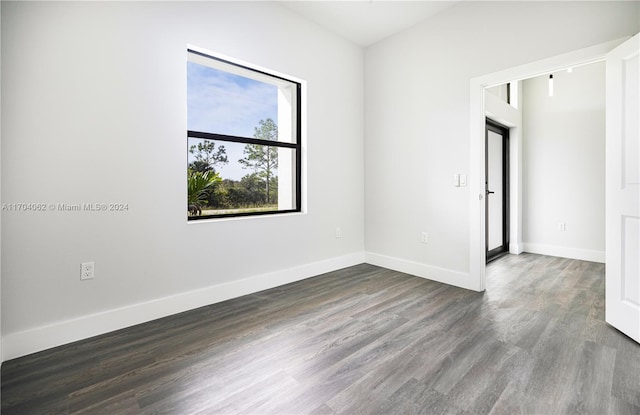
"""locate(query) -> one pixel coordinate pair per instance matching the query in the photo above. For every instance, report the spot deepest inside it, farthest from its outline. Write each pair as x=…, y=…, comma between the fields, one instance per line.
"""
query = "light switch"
x=463, y=180
x=456, y=180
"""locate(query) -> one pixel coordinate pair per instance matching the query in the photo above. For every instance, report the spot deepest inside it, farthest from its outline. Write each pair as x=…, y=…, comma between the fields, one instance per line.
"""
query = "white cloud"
x=220, y=102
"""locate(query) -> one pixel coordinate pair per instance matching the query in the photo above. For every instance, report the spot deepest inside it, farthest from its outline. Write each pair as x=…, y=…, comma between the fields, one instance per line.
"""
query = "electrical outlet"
x=338, y=233
x=424, y=238
x=562, y=227
x=86, y=270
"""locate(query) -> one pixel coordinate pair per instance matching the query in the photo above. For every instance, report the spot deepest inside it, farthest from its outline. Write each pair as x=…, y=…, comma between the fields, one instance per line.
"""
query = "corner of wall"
x=446, y=276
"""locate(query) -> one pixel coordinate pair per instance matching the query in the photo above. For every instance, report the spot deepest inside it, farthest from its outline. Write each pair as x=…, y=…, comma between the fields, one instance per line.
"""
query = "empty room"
x=342, y=242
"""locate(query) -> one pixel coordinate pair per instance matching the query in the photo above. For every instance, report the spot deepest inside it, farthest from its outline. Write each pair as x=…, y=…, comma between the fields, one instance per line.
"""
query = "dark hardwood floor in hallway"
x=363, y=340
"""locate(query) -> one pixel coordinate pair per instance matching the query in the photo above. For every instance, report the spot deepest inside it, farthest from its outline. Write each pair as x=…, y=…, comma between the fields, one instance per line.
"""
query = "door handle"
x=489, y=192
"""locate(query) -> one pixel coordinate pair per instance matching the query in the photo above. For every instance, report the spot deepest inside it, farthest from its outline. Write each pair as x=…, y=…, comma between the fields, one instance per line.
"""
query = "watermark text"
x=65, y=207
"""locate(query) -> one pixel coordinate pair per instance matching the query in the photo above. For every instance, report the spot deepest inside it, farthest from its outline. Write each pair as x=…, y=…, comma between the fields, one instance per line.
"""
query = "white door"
x=623, y=188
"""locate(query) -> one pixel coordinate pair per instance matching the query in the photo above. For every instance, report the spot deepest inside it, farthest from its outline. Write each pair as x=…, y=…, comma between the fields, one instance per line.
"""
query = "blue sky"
x=224, y=103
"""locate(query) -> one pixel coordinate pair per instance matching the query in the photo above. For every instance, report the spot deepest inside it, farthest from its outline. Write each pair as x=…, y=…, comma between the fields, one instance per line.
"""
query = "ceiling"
x=366, y=22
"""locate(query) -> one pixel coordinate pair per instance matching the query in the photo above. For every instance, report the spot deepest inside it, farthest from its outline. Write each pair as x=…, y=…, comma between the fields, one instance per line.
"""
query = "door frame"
x=498, y=128
x=477, y=116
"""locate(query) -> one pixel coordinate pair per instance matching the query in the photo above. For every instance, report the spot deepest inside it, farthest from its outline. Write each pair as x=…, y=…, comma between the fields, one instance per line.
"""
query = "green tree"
x=207, y=156
x=199, y=185
x=263, y=159
x=253, y=189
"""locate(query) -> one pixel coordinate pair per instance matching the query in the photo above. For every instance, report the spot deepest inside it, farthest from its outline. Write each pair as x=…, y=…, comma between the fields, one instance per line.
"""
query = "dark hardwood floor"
x=362, y=340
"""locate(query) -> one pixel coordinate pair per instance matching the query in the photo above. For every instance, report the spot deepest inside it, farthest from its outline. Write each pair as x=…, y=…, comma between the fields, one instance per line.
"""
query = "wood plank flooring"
x=363, y=340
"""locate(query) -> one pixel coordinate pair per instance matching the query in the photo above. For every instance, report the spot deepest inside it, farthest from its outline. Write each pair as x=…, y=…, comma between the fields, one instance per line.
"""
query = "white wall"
x=499, y=91
x=94, y=110
x=417, y=118
x=564, y=164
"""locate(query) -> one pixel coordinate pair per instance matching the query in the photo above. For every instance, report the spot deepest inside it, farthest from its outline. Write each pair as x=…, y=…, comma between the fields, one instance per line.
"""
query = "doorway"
x=496, y=190
x=477, y=252
x=622, y=309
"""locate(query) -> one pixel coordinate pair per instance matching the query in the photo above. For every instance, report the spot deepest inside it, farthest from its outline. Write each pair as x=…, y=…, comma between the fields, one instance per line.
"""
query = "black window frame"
x=296, y=146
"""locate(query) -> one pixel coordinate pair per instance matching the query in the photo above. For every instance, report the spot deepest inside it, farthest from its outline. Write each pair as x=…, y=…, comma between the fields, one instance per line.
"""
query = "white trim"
x=565, y=252
x=476, y=138
x=516, y=248
x=240, y=62
x=446, y=276
x=41, y=338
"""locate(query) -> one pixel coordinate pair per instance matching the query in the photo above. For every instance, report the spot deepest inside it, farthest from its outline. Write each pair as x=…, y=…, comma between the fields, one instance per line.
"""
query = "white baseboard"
x=41, y=338
x=561, y=251
x=447, y=276
x=515, y=248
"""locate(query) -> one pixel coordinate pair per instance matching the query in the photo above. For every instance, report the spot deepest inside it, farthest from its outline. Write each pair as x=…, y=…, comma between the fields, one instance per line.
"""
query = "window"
x=243, y=140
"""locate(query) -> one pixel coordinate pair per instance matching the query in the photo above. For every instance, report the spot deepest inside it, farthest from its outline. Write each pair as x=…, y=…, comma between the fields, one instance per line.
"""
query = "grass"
x=250, y=209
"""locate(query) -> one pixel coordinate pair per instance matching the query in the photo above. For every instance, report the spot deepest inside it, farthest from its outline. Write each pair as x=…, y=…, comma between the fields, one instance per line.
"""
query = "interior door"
x=622, y=309
x=497, y=190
